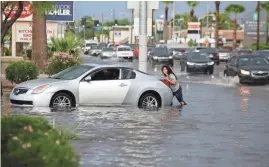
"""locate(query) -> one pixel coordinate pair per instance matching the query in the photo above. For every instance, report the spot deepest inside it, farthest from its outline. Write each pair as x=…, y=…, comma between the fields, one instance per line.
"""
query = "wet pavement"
x=224, y=124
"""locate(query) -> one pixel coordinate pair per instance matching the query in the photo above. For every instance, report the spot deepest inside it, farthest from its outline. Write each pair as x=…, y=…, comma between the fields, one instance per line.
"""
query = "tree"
x=192, y=5
x=165, y=30
x=7, y=8
x=258, y=25
x=124, y=22
x=265, y=6
x=217, y=4
x=39, y=34
x=235, y=9
x=186, y=19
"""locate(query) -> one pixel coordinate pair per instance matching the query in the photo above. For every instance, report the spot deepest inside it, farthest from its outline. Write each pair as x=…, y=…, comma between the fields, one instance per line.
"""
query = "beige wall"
x=125, y=33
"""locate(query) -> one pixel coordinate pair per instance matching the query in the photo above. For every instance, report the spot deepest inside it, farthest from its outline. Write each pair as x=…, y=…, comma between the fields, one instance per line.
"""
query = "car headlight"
x=155, y=57
x=244, y=72
x=170, y=57
x=189, y=63
x=210, y=63
x=40, y=89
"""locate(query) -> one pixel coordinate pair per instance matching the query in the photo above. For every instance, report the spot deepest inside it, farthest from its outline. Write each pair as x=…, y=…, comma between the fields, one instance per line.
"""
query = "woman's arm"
x=172, y=80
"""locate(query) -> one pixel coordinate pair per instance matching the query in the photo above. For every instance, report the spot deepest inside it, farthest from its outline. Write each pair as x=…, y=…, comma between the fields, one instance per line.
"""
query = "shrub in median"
x=21, y=71
x=31, y=141
x=60, y=61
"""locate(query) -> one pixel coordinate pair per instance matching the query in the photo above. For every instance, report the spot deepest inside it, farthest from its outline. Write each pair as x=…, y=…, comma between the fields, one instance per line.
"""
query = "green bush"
x=60, y=61
x=262, y=46
x=31, y=141
x=7, y=51
x=21, y=71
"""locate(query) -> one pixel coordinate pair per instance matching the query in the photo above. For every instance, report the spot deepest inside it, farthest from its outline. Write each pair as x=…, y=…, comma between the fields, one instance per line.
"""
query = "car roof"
x=105, y=65
x=123, y=46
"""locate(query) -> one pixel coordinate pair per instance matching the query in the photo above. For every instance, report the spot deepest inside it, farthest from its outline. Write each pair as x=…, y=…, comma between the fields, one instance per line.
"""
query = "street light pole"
x=143, y=36
x=173, y=35
x=258, y=26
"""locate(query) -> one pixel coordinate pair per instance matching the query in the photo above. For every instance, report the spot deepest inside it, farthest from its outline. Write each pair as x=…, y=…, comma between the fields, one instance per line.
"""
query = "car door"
x=103, y=90
x=233, y=66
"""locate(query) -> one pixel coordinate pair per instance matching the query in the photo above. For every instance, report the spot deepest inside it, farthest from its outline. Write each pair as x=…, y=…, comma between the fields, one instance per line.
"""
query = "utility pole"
x=143, y=36
x=102, y=26
x=258, y=26
x=93, y=19
x=132, y=23
x=174, y=13
x=207, y=17
x=113, y=18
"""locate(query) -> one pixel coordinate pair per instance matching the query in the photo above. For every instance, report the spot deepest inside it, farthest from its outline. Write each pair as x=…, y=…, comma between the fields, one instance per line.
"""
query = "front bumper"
x=38, y=100
x=253, y=78
x=200, y=68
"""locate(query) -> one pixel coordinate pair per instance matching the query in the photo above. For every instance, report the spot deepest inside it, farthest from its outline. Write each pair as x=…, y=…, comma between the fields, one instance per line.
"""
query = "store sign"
x=117, y=34
x=24, y=31
x=194, y=25
x=26, y=14
x=63, y=11
x=250, y=27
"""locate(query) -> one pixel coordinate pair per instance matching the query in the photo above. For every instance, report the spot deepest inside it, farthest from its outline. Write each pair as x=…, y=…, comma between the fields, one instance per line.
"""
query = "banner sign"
x=64, y=11
x=250, y=27
x=24, y=31
x=26, y=14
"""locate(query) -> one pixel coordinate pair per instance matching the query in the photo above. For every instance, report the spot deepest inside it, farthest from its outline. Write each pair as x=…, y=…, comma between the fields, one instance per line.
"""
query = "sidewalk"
x=8, y=85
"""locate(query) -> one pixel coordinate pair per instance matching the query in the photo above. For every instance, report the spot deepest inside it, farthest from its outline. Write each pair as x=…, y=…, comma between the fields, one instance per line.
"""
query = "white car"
x=93, y=84
x=125, y=52
x=107, y=52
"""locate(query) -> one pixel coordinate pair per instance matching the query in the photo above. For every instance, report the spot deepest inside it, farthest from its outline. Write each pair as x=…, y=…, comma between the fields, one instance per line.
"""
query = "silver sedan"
x=93, y=84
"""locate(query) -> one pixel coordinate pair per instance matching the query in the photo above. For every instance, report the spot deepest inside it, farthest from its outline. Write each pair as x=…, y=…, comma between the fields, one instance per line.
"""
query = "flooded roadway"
x=224, y=124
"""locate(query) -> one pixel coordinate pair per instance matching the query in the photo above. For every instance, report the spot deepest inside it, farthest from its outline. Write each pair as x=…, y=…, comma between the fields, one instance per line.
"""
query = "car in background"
x=198, y=49
x=161, y=55
x=94, y=85
x=199, y=62
x=263, y=53
x=133, y=46
x=88, y=45
x=124, y=52
x=107, y=52
x=178, y=53
x=224, y=55
x=230, y=48
x=240, y=51
x=213, y=54
x=95, y=50
x=160, y=45
x=249, y=68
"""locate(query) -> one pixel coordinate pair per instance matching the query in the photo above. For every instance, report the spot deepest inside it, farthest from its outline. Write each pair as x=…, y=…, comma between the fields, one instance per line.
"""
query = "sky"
x=95, y=8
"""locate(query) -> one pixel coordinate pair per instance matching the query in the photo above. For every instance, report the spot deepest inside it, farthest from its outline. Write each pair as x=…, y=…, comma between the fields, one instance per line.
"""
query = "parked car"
x=92, y=84
x=125, y=52
x=224, y=55
x=240, y=51
x=178, y=52
x=213, y=54
x=107, y=52
x=161, y=55
x=249, y=68
x=88, y=46
x=199, y=62
x=95, y=50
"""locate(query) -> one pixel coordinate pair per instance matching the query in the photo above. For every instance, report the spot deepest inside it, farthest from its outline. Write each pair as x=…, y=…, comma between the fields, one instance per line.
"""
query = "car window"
x=106, y=74
x=72, y=72
x=128, y=74
x=124, y=49
x=232, y=60
x=252, y=61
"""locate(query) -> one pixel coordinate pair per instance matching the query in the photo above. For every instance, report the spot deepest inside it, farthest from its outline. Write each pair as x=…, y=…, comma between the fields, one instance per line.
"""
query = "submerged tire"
x=61, y=100
x=149, y=100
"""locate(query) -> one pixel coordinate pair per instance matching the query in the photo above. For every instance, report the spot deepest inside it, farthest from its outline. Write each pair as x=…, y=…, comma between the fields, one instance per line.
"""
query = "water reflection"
x=244, y=94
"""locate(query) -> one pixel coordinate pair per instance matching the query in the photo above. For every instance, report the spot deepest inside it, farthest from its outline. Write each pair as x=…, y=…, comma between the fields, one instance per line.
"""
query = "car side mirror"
x=88, y=78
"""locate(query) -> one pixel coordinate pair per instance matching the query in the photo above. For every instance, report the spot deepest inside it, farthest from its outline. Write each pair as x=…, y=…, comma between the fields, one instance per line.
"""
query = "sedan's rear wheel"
x=149, y=100
x=61, y=100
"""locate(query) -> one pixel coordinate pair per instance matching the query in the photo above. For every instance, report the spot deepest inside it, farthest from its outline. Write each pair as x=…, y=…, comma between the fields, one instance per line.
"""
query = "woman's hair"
x=169, y=70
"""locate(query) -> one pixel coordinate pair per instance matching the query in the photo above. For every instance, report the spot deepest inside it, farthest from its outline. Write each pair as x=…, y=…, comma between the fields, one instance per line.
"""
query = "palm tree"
x=192, y=5
x=165, y=29
x=258, y=25
x=265, y=6
x=235, y=9
x=217, y=4
x=39, y=37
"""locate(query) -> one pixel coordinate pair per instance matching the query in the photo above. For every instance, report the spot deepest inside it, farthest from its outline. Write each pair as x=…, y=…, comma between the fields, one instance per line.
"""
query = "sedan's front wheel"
x=149, y=101
x=61, y=100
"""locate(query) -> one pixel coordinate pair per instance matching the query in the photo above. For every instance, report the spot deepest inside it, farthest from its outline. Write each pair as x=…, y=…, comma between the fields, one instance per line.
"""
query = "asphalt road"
x=224, y=124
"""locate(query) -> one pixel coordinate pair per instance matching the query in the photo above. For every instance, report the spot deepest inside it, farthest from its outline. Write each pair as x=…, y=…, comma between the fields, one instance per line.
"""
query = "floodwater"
x=224, y=124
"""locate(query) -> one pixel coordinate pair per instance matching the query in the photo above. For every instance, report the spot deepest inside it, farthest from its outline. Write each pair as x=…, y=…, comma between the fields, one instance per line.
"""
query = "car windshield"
x=196, y=56
x=179, y=50
x=95, y=47
x=245, y=61
x=107, y=49
x=161, y=51
x=209, y=50
x=72, y=72
x=224, y=50
x=124, y=49
x=90, y=44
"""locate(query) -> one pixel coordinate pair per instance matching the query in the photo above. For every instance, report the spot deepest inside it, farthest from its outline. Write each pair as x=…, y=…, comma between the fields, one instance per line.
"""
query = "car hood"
x=37, y=82
x=256, y=68
x=198, y=61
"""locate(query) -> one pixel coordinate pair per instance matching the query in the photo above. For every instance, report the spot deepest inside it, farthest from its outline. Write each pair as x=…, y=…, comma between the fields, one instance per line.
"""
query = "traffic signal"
x=96, y=22
x=83, y=21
